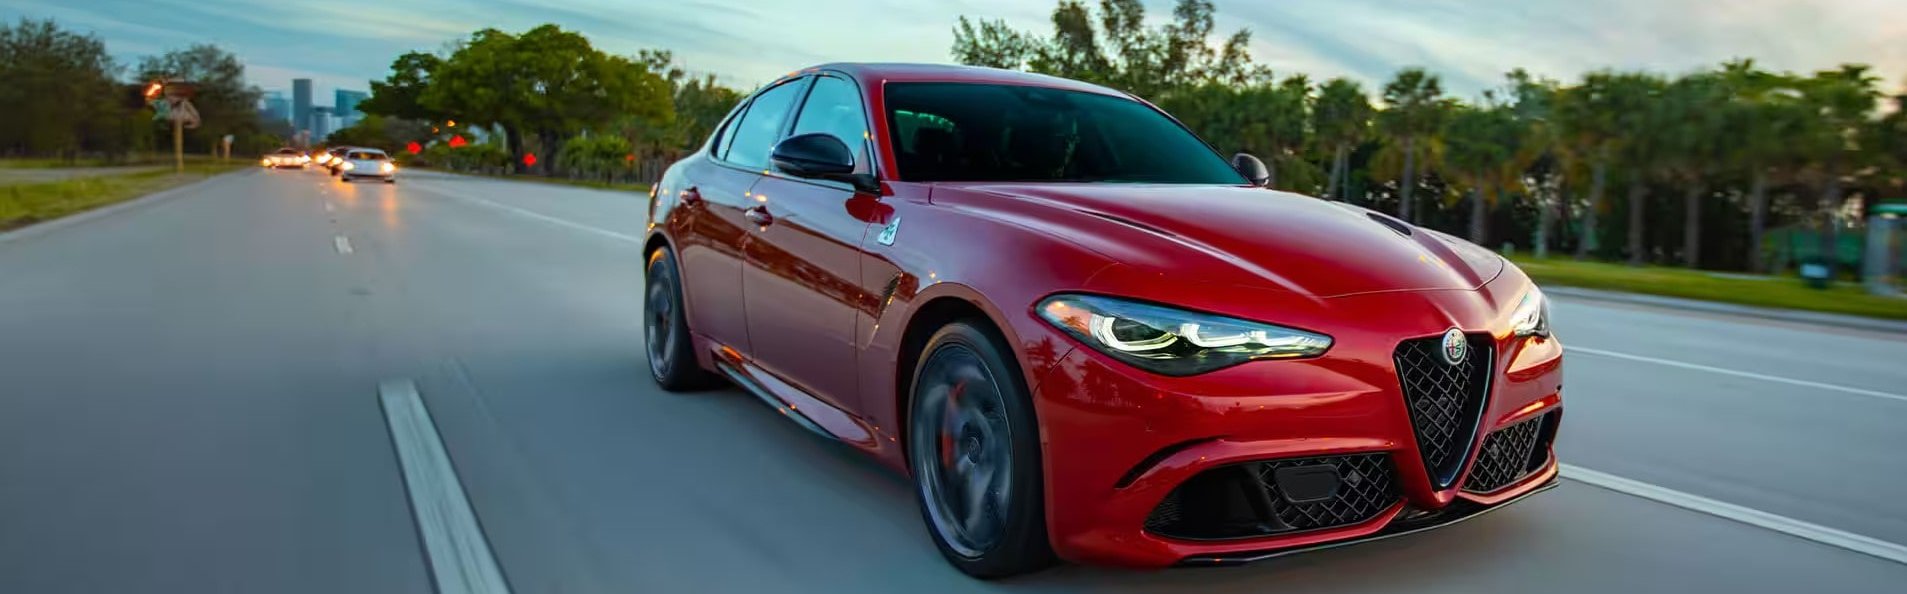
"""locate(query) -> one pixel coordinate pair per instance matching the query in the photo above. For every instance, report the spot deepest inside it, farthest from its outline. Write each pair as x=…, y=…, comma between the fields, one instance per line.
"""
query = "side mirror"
x=1252, y=168
x=818, y=155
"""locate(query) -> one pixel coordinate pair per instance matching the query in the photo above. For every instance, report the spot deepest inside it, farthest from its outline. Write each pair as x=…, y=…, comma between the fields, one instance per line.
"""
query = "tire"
x=390, y=180
x=970, y=409
x=666, y=330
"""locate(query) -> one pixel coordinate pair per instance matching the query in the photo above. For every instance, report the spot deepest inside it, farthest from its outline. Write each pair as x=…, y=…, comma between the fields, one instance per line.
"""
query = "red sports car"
x=1083, y=333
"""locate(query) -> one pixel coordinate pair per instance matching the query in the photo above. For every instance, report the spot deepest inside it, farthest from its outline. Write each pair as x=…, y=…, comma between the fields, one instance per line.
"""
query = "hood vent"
x=1400, y=227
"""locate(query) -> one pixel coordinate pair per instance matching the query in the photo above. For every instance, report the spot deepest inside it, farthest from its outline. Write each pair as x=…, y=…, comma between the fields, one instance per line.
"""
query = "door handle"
x=689, y=195
x=759, y=216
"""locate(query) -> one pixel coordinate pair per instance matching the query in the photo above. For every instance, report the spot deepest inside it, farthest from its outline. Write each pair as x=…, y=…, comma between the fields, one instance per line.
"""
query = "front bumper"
x=1456, y=512
x=1119, y=441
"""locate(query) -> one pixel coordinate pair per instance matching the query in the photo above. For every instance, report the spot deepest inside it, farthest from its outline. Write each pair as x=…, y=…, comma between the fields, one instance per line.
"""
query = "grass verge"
x=26, y=204
x=1781, y=292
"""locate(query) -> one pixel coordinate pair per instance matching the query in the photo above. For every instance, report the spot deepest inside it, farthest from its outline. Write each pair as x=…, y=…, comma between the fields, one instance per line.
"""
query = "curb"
x=1766, y=313
x=44, y=227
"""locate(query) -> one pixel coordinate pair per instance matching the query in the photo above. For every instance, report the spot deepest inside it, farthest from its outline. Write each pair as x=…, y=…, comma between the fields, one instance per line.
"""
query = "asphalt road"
x=189, y=403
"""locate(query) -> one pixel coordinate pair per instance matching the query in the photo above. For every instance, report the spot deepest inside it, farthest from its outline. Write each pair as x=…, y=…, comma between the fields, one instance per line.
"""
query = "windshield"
x=987, y=132
x=286, y=151
x=366, y=156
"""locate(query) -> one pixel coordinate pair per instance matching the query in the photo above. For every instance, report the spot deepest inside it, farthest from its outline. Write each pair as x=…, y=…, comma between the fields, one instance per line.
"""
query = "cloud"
x=1471, y=44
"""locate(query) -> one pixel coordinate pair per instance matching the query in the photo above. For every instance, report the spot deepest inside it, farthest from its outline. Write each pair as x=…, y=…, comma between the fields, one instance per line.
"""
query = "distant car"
x=285, y=158
x=334, y=159
x=359, y=163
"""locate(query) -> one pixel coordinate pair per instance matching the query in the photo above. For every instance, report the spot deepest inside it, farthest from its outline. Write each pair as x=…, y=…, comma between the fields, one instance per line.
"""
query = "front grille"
x=1246, y=500
x=1445, y=400
x=1512, y=453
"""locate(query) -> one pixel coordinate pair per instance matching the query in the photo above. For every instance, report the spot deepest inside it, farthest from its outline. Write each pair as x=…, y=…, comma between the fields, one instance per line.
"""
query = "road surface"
x=189, y=402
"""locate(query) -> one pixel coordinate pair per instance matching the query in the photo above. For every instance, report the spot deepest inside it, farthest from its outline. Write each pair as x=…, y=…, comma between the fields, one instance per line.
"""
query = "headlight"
x=1171, y=341
x=1532, y=315
x=347, y=166
x=387, y=167
x=266, y=162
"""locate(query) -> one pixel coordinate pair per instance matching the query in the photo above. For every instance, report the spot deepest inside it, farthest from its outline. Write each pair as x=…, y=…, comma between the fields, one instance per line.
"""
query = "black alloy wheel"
x=974, y=453
x=666, y=331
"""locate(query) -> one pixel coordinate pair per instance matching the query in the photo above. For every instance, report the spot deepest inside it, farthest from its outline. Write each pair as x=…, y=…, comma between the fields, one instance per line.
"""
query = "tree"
x=1763, y=118
x=380, y=132
x=1341, y=119
x=400, y=95
x=1543, y=159
x=226, y=103
x=1586, y=115
x=1840, y=102
x=1113, y=46
x=1633, y=101
x=991, y=43
x=59, y=93
x=547, y=84
x=1692, y=118
x=1414, y=112
x=1481, y=150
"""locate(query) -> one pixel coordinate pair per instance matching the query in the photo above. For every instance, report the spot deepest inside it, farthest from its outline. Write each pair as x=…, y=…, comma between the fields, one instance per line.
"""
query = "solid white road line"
x=1753, y=517
x=1736, y=373
x=460, y=557
x=342, y=243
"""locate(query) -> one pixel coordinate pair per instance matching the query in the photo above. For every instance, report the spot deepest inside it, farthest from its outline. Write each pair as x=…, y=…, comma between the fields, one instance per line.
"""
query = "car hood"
x=1240, y=236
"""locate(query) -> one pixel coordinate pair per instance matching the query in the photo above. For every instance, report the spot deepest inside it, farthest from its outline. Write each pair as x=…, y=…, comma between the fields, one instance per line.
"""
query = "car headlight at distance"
x=1176, y=342
x=1531, y=317
x=265, y=162
x=347, y=166
x=387, y=167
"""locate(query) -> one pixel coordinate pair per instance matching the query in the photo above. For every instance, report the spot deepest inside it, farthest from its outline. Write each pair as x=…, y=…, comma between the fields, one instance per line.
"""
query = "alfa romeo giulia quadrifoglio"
x=1084, y=334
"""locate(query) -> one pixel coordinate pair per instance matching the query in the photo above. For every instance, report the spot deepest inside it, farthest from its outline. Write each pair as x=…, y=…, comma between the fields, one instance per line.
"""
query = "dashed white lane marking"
x=540, y=216
x=328, y=207
x=1813, y=532
x=342, y=243
x=460, y=556
x=1738, y=373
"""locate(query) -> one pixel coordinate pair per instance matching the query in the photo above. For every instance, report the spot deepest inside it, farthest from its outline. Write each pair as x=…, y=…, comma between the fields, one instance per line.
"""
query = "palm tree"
x=1691, y=120
x=1414, y=108
x=1634, y=99
x=1543, y=159
x=1481, y=151
x=1340, y=120
x=1287, y=108
x=1762, y=117
x=1841, y=102
x=1586, y=117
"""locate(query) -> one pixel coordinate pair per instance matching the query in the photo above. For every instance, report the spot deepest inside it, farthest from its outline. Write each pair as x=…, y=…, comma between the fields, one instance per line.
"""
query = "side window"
x=834, y=107
x=758, y=129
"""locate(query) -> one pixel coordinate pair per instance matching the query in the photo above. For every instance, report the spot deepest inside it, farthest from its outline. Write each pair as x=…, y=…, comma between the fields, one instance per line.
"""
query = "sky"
x=346, y=43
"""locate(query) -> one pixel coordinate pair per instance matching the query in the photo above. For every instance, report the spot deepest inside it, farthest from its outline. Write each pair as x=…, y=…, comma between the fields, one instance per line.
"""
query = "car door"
x=714, y=195
x=802, y=278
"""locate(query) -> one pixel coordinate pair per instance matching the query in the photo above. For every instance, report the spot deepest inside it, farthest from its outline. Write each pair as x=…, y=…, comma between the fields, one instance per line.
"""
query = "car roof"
x=366, y=150
x=906, y=72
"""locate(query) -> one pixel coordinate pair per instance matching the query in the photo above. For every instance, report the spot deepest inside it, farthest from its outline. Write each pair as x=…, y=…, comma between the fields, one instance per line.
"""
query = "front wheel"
x=666, y=328
x=974, y=451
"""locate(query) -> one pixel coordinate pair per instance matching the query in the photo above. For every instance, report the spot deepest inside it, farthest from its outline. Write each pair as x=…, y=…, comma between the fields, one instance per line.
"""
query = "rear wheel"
x=666, y=330
x=974, y=452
